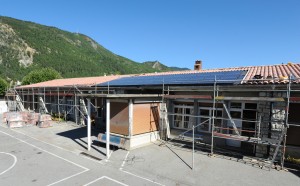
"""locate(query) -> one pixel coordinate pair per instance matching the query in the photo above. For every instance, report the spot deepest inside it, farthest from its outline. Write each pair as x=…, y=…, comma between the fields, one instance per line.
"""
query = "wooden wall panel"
x=119, y=119
x=143, y=118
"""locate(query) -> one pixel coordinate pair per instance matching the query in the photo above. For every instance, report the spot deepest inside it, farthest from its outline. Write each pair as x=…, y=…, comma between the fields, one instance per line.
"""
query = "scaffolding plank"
x=250, y=99
x=187, y=96
x=246, y=139
x=295, y=99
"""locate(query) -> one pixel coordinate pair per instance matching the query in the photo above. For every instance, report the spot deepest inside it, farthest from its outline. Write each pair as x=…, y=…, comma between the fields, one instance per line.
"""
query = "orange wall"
x=143, y=119
x=119, y=119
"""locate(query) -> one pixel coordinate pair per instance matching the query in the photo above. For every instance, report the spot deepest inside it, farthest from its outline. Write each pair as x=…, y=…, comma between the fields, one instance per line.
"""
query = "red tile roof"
x=278, y=74
x=84, y=81
x=269, y=74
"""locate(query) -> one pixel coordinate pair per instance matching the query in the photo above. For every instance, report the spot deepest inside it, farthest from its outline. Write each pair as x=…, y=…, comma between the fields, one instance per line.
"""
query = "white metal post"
x=89, y=124
x=130, y=113
x=75, y=107
x=58, y=107
x=107, y=128
x=32, y=99
x=213, y=120
x=193, y=147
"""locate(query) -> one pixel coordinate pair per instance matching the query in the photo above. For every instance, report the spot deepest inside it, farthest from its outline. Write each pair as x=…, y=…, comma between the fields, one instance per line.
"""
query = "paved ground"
x=53, y=156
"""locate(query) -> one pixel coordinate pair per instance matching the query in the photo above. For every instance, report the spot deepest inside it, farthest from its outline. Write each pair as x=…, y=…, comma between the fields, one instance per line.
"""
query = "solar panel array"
x=229, y=77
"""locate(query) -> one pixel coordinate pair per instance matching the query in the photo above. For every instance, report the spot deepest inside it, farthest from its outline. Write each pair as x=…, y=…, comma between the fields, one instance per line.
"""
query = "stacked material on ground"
x=4, y=115
x=15, y=119
x=45, y=121
x=33, y=118
x=26, y=118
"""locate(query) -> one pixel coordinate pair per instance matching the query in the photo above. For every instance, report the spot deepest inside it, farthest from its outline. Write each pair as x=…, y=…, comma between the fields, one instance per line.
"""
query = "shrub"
x=41, y=75
x=3, y=86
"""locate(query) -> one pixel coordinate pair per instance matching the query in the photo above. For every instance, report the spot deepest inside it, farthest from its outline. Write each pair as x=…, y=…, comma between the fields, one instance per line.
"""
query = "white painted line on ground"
x=121, y=169
x=45, y=151
x=141, y=177
x=56, y=146
x=124, y=160
x=44, y=141
x=106, y=178
x=68, y=177
x=15, y=161
x=85, y=169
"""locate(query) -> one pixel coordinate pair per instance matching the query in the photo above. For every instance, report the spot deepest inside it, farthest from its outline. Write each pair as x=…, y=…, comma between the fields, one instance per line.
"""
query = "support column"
x=130, y=113
x=107, y=128
x=76, y=108
x=45, y=98
x=33, y=99
x=89, y=124
x=196, y=112
x=58, y=109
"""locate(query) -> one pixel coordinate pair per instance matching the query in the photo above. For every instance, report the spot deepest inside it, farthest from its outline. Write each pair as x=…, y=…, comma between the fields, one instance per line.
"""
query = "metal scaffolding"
x=216, y=131
x=54, y=100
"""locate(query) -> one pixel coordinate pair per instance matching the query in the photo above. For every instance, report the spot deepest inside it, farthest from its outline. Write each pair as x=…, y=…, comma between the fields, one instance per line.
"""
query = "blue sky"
x=221, y=33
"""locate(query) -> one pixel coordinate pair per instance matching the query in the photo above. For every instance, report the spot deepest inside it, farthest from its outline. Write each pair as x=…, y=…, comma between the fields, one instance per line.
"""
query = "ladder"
x=83, y=107
x=83, y=111
x=43, y=108
x=164, y=119
x=278, y=145
x=20, y=105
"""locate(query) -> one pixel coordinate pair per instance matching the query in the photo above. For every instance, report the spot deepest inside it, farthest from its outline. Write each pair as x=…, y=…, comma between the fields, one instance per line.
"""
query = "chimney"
x=198, y=65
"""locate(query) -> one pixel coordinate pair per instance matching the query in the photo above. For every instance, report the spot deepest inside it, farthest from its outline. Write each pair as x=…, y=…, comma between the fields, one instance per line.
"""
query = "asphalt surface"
x=54, y=156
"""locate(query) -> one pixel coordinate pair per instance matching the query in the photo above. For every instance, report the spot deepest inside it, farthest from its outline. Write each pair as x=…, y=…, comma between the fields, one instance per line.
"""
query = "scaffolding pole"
x=213, y=120
x=107, y=128
x=58, y=104
x=288, y=95
x=193, y=147
x=89, y=124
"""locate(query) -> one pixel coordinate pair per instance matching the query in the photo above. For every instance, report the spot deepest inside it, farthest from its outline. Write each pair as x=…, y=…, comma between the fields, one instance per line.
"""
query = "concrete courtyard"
x=58, y=156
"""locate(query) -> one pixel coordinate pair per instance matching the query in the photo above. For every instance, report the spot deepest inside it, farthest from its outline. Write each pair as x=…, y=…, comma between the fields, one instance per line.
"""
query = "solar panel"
x=229, y=77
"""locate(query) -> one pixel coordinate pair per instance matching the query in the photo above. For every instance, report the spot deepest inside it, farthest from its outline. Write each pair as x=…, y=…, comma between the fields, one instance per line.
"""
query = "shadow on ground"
x=79, y=136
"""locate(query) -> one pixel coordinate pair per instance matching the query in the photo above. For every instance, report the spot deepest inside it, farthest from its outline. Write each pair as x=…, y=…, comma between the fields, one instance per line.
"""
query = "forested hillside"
x=26, y=46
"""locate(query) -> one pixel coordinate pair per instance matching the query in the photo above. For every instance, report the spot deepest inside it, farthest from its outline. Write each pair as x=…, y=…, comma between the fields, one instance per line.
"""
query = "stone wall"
x=272, y=123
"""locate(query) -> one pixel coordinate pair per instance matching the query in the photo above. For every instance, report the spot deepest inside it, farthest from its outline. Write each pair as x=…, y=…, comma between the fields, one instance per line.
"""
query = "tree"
x=44, y=74
x=3, y=86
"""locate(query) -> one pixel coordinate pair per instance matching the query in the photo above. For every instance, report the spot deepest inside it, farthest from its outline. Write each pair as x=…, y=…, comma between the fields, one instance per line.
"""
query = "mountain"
x=26, y=46
x=161, y=67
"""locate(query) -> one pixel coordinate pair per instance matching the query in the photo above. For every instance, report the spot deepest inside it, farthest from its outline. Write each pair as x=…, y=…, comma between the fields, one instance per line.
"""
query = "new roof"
x=84, y=81
x=223, y=77
x=268, y=74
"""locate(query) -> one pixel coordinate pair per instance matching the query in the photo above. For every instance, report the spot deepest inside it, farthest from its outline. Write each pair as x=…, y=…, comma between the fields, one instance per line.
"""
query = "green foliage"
x=3, y=86
x=41, y=75
x=71, y=54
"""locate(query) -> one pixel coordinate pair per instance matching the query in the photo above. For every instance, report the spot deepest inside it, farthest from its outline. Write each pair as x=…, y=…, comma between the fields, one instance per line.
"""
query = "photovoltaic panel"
x=228, y=77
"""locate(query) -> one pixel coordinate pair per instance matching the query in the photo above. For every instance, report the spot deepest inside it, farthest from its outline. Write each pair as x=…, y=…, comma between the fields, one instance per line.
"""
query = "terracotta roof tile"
x=269, y=74
x=84, y=81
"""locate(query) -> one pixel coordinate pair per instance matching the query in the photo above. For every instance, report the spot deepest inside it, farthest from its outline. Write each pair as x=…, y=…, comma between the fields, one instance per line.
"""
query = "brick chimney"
x=198, y=65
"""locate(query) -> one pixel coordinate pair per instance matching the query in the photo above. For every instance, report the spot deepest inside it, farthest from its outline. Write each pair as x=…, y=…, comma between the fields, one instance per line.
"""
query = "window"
x=244, y=116
x=183, y=116
x=206, y=114
x=235, y=105
x=251, y=106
